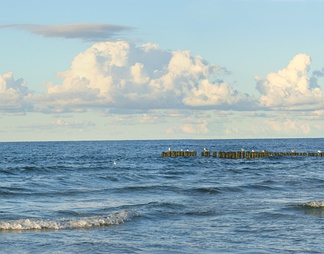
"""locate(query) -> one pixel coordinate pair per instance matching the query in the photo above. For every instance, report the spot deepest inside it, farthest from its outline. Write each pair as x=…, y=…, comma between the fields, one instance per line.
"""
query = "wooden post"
x=240, y=154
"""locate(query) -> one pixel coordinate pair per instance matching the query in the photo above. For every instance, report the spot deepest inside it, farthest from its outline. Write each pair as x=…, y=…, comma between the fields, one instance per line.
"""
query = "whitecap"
x=67, y=223
x=313, y=204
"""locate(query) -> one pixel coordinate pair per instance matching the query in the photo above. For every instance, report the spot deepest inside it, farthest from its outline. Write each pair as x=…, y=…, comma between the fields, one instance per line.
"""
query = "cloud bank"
x=86, y=32
x=121, y=75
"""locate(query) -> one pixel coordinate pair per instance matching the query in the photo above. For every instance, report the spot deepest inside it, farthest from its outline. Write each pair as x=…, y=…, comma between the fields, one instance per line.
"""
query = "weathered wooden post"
x=205, y=153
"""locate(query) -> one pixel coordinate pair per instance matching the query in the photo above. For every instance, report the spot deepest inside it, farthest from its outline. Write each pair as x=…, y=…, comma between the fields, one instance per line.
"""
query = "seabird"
x=205, y=149
x=292, y=151
x=169, y=149
x=252, y=151
x=319, y=151
x=242, y=149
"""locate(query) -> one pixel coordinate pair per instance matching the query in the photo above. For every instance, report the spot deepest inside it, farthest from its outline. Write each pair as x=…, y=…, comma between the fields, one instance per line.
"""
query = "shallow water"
x=123, y=197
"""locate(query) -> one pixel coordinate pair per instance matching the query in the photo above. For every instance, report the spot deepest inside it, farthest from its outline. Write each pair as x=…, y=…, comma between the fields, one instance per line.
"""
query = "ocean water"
x=123, y=197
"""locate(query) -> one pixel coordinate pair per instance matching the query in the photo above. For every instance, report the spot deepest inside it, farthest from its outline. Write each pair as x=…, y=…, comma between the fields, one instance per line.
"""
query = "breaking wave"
x=313, y=204
x=64, y=223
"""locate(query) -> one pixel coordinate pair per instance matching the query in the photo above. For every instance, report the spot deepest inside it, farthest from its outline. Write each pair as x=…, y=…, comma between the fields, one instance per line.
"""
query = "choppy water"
x=123, y=197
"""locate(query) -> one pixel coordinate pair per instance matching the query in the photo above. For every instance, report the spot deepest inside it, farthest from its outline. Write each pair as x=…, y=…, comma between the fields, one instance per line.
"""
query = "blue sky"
x=88, y=70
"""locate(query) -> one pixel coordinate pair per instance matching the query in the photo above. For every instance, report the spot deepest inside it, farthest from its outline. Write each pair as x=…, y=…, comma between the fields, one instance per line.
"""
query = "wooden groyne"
x=179, y=153
x=241, y=154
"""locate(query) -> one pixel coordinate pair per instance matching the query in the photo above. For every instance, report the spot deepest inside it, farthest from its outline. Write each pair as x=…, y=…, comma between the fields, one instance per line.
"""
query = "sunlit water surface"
x=123, y=197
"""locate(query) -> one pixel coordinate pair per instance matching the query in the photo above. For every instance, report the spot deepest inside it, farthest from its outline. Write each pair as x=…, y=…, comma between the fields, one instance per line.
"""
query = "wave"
x=64, y=223
x=311, y=208
x=313, y=204
x=206, y=190
x=257, y=186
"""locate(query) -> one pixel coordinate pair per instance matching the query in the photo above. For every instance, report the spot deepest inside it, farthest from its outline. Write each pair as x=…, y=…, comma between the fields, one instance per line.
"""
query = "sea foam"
x=313, y=204
x=67, y=223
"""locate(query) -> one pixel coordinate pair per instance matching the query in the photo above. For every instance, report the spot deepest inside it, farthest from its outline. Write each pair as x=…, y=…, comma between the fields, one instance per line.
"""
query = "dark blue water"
x=123, y=197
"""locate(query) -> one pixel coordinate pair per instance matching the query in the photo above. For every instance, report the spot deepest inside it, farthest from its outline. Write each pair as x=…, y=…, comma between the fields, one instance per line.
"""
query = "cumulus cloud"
x=84, y=31
x=288, y=126
x=190, y=126
x=291, y=87
x=14, y=94
x=195, y=127
x=121, y=75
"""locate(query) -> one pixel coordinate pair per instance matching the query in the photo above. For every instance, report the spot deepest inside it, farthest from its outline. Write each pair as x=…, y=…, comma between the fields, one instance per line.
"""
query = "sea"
x=124, y=197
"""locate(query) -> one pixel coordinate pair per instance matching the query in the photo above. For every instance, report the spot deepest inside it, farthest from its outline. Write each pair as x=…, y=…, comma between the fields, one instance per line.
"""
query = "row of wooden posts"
x=238, y=154
x=179, y=153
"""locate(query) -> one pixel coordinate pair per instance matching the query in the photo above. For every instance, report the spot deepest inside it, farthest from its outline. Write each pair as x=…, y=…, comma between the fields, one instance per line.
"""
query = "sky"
x=153, y=69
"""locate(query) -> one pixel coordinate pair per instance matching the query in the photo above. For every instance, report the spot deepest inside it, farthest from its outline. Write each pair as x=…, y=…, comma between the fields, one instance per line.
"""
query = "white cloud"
x=121, y=75
x=209, y=94
x=200, y=128
x=14, y=94
x=288, y=126
x=291, y=87
x=190, y=126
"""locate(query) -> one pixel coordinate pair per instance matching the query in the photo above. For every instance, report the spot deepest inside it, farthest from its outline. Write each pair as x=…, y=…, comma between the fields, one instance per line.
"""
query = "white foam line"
x=63, y=223
x=314, y=204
